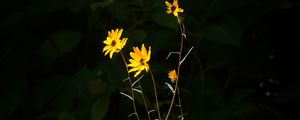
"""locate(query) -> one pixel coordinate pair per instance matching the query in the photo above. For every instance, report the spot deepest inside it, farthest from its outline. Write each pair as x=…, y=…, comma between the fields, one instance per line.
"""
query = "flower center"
x=173, y=8
x=142, y=61
x=113, y=43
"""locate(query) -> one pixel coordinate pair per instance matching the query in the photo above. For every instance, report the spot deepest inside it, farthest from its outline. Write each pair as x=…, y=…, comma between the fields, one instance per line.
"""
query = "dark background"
x=243, y=66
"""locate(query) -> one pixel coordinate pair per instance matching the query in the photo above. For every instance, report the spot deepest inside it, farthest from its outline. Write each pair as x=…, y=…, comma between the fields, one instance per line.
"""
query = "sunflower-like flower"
x=173, y=8
x=113, y=42
x=139, y=60
x=172, y=75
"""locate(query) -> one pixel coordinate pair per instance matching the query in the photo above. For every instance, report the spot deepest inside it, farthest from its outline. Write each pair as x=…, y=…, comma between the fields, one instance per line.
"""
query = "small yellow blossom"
x=173, y=8
x=172, y=75
x=139, y=60
x=113, y=42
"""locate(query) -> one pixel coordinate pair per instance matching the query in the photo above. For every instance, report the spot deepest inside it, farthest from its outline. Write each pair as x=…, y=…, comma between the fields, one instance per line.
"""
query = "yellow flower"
x=172, y=75
x=113, y=42
x=173, y=8
x=139, y=60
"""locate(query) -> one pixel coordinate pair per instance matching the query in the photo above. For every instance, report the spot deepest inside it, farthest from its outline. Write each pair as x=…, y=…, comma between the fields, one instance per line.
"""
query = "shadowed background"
x=243, y=65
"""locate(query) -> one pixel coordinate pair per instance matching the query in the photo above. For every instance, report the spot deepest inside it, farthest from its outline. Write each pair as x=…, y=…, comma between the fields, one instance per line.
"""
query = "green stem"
x=178, y=68
x=155, y=93
x=144, y=100
x=130, y=82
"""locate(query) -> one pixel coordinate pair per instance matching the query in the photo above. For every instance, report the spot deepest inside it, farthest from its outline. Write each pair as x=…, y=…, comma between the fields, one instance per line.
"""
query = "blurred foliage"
x=53, y=66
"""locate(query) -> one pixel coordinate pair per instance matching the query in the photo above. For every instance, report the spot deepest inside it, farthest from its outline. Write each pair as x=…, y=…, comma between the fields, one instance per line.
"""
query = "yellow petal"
x=175, y=3
x=119, y=33
x=133, y=63
x=135, y=56
x=137, y=51
x=137, y=73
x=149, y=55
x=123, y=42
x=146, y=67
x=180, y=10
x=175, y=14
x=107, y=52
x=106, y=48
x=168, y=4
x=111, y=54
x=169, y=11
x=107, y=41
x=144, y=51
x=134, y=69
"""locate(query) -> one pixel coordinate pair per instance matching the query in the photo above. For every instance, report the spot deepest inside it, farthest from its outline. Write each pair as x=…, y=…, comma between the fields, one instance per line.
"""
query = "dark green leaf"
x=161, y=18
x=39, y=7
x=138, y=35
x=100, y=108
x=49, y=88
x=66, y=40
x=66, y=116
x=59, y=43
x=94, y=6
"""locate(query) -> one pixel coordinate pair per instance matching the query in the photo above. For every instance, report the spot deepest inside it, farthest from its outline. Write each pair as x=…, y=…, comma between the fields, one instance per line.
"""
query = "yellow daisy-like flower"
x=139, y=60
x=113, y=42
x=173, y=8
x=172, y=75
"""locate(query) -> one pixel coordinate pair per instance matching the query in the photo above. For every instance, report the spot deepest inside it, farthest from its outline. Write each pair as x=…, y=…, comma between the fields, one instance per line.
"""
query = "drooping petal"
x=175, y=14
x=146, y=67
x=107, y=52
x=137, y=73
x=111, y=54
x=134, y=69
x=106, y=48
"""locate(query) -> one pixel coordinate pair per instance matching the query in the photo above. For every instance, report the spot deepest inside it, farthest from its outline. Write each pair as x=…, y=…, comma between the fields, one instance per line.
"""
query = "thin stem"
x=154, y=86
x=144, y=100
x=180, y=106
x=178, y=67
x=132, y=92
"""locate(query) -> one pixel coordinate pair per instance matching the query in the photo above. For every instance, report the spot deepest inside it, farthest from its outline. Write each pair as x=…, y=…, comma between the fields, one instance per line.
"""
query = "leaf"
x=224, y=34
x=66, y=40
x=49, y=88
x=219, y=55
x=121, y=11
x=82, y=79
x=165, y=20
x=245, y=110
x=94, y=6
x=40, y=7
x=14, y=91
x=227, y=31
x=240, y=96
x=59, y=43
x=66, y=116
x=138, y=35
x=100, y=108
x=76, y=5
x=48, y=53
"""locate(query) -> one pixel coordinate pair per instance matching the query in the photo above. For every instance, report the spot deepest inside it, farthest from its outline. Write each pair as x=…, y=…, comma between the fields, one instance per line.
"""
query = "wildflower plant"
x=113, y=42
x=139, y=65
x=139, y=60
